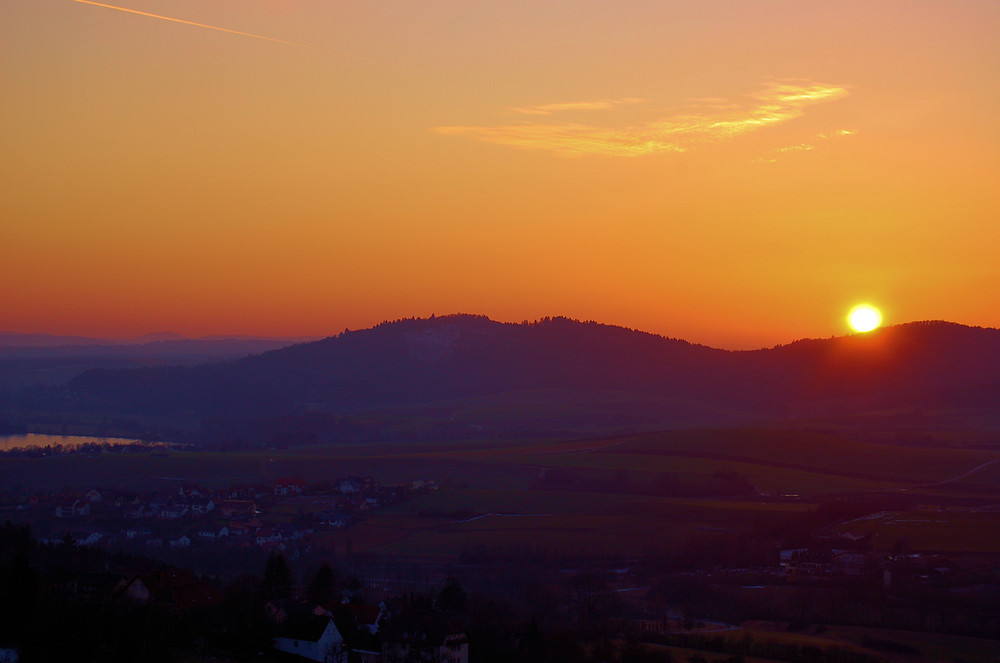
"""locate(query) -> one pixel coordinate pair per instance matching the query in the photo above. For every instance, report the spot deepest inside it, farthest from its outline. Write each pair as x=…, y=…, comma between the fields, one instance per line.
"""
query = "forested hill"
x=416, y=361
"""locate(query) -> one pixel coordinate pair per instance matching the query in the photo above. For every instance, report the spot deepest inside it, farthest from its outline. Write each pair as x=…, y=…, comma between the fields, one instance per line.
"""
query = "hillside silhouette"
x=456, y=358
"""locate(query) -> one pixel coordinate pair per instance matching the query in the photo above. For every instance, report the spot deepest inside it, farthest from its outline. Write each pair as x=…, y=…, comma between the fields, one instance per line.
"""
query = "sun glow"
x=864, y=318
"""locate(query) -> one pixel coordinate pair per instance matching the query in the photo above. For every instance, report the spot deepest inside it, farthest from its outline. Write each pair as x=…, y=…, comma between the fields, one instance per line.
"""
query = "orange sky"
x=734, y=173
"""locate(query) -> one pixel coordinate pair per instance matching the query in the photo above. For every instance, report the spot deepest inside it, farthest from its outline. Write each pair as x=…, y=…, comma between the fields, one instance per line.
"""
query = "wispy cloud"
x=597, y=104
x=184, y=22
x=568, y=139
x=775, y=154
x=804, y=147
x=711, y=120
x=839, y=134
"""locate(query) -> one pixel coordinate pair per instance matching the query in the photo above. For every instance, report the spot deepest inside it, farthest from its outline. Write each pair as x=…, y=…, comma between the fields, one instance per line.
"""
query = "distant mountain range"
x=17, y=344
x=19, y=340
x=30, y=359
x=589, y=372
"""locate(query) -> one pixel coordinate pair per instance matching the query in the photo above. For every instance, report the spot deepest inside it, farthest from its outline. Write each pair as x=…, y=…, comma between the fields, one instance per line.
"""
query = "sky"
x=735, y=173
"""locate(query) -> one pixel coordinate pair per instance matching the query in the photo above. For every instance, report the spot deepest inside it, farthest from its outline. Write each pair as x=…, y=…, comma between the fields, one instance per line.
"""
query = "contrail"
x=199, y=25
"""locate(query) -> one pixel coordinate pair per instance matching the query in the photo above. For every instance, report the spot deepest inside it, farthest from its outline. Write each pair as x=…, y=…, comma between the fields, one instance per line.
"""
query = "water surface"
x=35, y=440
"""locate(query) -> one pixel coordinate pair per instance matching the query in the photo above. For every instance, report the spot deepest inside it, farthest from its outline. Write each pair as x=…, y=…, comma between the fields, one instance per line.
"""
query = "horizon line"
x=308, y=338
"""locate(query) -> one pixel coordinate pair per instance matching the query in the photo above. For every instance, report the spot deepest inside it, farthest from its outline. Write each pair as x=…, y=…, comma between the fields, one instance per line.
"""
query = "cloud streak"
x=718, y=120
x=598, y=104
x=773, y=155
x=184, y=22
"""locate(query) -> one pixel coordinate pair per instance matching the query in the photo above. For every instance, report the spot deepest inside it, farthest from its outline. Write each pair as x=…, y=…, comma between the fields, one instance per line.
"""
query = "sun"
x=864, y=318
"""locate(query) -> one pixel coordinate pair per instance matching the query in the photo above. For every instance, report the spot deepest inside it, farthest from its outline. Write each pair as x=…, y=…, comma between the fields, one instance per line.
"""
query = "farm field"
x=642, y=468
x=879, y=644
x=492, y=492
x=931, y=529
x=445, y=523
x=820, y=452
x=926, y=646
x=775, y=461
x=597, y=524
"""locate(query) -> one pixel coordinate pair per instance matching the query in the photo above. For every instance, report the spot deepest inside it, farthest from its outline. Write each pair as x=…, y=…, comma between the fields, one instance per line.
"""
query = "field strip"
x=503, y=515
x=749, y=460
x=960, y=476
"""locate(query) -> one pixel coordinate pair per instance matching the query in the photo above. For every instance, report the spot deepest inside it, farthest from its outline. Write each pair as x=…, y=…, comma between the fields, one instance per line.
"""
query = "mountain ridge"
x=419, y=361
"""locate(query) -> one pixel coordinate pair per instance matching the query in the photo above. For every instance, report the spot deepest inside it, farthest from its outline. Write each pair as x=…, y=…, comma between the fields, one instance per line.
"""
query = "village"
x=287, y=513
x=190, y=556
x=291, y=516
x=330, y=622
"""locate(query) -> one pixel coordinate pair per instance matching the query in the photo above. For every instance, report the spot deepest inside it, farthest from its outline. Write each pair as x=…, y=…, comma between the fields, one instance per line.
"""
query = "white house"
x=336, y=519
x=289, y=487
x=213, y=533
x=137, y=532
x=77, y=508
x=267, y=535
x=89, y=538
x=312, y=637
x=200, y=505
x=348, y=486
x=173, y=511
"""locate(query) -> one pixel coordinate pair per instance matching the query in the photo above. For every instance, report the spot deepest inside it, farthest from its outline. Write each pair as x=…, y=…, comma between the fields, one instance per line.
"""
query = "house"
x=200, y=505
x=312, y=637
x=93, y=495
x=93, y=585
x=173, y=588
x=137, y=533
x=88, y=538
x=806, y=562
x=337, y=519
x=291, y=533
x=183, y=541
x=73, y=509
x=189, y=490
x=266, y=535
x=851, y=564
x=212, y=533
x=283, y=487
x=277, y=610
x=121, y=499
x=241, y=492
x=359, y=625
x=172, y=512
x=348, y=486
x=361, y=618
x=154, y=506
x=427, y=636
x=241, y=529
x=237, y=508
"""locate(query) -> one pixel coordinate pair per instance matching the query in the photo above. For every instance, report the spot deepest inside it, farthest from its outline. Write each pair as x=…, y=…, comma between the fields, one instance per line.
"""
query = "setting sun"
x=864, y=318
